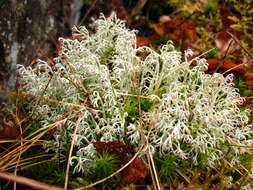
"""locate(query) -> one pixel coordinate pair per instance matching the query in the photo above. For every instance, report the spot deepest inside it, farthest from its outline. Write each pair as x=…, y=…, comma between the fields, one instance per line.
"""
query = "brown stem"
x=235, y=39
x=28, y=182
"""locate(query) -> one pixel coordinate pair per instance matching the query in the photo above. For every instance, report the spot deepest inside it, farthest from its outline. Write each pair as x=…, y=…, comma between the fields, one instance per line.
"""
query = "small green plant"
x=104, y=165
x=48, y=172
x=167, y=167
x=242, y=86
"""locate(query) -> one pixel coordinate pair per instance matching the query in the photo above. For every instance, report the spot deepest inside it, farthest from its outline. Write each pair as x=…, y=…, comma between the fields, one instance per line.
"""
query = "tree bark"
x=29, y=30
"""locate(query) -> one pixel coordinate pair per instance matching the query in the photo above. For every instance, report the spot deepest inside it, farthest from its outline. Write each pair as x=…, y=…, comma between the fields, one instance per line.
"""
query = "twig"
x=45, y=89
x=196, y=58
x=247, y=52
x=70, y=153
x=139, y=6
x=28, y=182
x=46, y=99
x=21, y=143
x=37, y=163
x=88, y=11
x=151, y=173
x=183, y=176
x=19, y=156
x=232, y=69
x=234, y=38
x=223, y=58
x=28, y=160
x=11, y=156
x=153, y=169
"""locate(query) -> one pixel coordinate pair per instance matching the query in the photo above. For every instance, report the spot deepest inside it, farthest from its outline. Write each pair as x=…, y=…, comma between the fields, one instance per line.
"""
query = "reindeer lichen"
x=129, y=93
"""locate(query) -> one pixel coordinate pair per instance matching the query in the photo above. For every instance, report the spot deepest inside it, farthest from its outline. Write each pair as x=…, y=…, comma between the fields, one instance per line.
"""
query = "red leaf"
x=136, y=172
x=8, y=132
x=247, y=100
x=116, y=147
x=141, y=41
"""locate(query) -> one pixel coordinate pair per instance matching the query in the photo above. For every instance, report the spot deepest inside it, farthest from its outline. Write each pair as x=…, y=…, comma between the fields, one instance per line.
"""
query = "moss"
x=242, y=86
x=105, y=164
x=213, y=54
x=132, y=106
x=107, y=55
x=211, y=8
x=162, y=90
x=166, y=167
x=48, y=172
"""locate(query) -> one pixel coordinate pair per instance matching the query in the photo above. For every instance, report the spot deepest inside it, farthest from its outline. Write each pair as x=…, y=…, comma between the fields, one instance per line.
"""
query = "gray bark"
x=28, y=30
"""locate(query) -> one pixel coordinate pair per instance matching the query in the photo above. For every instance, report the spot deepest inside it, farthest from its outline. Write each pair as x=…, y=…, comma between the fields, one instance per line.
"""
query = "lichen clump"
x=136, y=95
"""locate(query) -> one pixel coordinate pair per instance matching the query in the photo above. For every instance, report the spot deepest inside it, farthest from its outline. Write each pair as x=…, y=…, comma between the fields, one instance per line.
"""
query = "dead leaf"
x=224, y=65
x=213, y=64
x=247, y=100
x=211, y=27
x=136, y=172
x=249, y=79
x=246, y=66
x=228, y=64
x=8, y=132
x=223, y=41
x=141, y=41
x=176, y=29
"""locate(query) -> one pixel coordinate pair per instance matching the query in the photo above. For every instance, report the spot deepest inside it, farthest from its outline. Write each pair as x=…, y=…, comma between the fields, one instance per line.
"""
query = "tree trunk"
x=29, y=30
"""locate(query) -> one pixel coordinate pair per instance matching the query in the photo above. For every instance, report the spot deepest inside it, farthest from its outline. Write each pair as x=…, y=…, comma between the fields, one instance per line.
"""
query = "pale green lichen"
x=129, y=92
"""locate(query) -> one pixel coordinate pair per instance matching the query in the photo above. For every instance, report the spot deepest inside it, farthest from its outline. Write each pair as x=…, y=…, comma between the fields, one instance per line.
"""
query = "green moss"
x=162, y=90
x=212, y=54
x=48, y=172
x=34, y=127
x=204, y=157
x=242, y=86
x=166, y=167
x=107, y=55
x=132, y=106
x=146, y=105
x=104, y=165
x=246, y=158
x=210, y=8
x=161, y=41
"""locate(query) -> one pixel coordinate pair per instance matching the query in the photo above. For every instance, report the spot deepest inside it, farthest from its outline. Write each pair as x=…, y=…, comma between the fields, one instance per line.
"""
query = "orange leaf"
x=213, y=63
x=224, y=65
x=176, y=29
x=228, y=64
